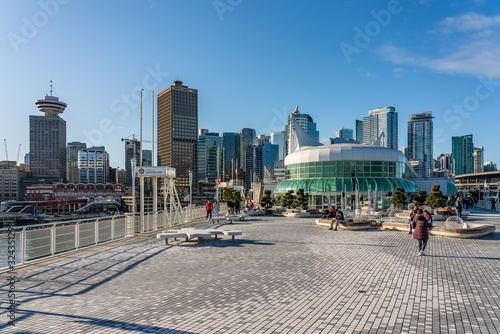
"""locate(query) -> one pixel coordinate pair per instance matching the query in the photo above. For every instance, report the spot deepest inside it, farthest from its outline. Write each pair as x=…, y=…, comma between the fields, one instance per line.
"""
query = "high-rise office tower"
x=93, y=165
x=278, y=138
x=445, y=163
x=210, y=159
x=261, y=139
x=359, y=131
x=231, y=151
x=478, y=159
x=344, y=133
x=378, y=121
x=490, y=166
x=178, y=133
x=72, y=156
x=247, y=139
x=420, y=140
x=306, y=123
x=48, y=140
x=461, y=154
x=270, y=157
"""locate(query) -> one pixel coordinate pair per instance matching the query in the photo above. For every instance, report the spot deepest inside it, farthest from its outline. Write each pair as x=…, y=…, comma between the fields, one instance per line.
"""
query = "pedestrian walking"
x=209, y=207
x=458, y=206
x=230, y=204
x=410, y=221
x=420, y=226
x=237, y=206
x=216, y=209
x=251, y=205
x=493, y=202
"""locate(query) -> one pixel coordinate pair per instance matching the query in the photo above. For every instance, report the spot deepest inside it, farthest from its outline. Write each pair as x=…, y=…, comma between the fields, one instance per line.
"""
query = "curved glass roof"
x=339, y=184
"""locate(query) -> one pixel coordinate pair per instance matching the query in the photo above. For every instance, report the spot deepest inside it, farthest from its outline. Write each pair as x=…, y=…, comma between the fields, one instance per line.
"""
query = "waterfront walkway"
x=282, y=276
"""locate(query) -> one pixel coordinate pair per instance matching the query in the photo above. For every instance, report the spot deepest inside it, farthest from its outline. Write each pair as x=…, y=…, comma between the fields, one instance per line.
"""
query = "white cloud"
x=471, y=45
x=469, y=22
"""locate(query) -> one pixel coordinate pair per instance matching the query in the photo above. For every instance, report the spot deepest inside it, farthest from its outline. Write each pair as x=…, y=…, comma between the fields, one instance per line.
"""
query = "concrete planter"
x=256, y=213
x=297, y=214
x=472, y=231
x=347, y=225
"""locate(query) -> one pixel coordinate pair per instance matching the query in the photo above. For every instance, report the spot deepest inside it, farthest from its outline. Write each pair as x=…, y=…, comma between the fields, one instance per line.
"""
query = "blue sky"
x=252, y=62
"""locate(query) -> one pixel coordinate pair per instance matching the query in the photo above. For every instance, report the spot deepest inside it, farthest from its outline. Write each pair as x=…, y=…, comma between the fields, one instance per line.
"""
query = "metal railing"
x=43, y=240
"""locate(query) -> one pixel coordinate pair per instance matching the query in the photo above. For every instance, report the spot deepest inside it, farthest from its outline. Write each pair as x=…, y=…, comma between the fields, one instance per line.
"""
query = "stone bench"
x=189, y=233
x=174, y=235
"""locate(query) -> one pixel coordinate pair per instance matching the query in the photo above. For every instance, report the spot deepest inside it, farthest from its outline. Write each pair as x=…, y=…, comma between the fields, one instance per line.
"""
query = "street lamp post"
x=191, y=195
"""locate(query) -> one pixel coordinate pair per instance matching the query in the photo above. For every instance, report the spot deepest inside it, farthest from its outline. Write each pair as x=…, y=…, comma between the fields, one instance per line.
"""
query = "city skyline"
x=331, y=64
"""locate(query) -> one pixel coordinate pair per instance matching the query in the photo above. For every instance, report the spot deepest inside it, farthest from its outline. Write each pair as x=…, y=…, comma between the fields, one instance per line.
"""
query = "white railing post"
x=113, y=228
x=96, y=231
x=23, y=245
x=77, y=235
x=53, y=239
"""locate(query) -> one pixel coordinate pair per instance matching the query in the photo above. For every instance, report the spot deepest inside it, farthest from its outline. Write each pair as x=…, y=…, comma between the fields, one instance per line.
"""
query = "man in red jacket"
x=209, y=207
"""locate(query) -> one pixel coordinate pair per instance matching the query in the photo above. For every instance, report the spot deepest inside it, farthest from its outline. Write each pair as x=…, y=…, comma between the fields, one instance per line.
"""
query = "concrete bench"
x=224, y=232
x=232, y=234
x=216, y=219
x=232, y=218
x=174, y=235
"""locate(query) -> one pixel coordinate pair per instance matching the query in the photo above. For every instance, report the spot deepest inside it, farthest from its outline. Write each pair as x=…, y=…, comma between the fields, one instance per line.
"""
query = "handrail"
x=33, y=245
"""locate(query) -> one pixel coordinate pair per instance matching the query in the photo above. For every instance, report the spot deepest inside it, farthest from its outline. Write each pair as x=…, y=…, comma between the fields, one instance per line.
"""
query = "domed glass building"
x=333, y=175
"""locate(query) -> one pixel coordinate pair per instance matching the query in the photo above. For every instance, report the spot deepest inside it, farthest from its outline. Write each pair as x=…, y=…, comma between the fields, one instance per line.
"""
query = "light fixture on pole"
x=191, y=193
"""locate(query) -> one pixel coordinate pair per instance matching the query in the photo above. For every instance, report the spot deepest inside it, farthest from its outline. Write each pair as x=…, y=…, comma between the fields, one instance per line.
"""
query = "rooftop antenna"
x=51, y=85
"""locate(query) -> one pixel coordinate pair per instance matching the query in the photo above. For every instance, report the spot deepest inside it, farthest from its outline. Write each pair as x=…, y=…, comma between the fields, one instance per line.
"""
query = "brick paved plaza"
x=282, y=276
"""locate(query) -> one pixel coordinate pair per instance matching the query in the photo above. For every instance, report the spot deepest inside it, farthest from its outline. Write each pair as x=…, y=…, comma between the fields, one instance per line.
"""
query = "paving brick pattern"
x=282, y=276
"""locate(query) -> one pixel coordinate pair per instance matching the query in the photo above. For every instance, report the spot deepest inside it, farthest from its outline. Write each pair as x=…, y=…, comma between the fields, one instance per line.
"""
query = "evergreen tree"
x=267, y=201
x=300, y=200
x=288, y=199
x=436, y=197
x=398, y=198
x=421, y=197
x=227, y=194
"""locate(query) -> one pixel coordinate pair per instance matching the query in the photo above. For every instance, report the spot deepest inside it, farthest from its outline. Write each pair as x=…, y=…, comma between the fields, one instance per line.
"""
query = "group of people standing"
x=215, y=207
x=232, y=207
x=335, y=215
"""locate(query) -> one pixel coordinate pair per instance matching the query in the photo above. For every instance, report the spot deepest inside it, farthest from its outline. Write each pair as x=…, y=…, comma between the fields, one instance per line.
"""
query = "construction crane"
x=135, y=139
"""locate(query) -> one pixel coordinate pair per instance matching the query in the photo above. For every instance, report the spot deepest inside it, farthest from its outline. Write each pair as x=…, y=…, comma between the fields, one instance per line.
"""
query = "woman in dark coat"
x=420, y=226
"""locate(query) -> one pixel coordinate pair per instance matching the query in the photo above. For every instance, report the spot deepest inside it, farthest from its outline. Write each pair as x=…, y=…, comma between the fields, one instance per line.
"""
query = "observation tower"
x=50, y=105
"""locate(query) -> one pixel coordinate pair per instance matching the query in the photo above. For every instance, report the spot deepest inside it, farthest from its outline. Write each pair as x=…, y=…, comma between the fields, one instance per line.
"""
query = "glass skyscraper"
x=247, y=139
x=344, y=133
x=231, y=150
x=420, y=141
x=72, y=155
x=210, y=159
x=359, y=131
x=462, y=149
x=378, y=121
x=278, y=138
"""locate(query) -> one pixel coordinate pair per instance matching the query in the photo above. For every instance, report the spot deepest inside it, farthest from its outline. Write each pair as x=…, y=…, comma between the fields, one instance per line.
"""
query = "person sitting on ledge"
x=449, y=211
x=325, y=213
x=339, y=218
